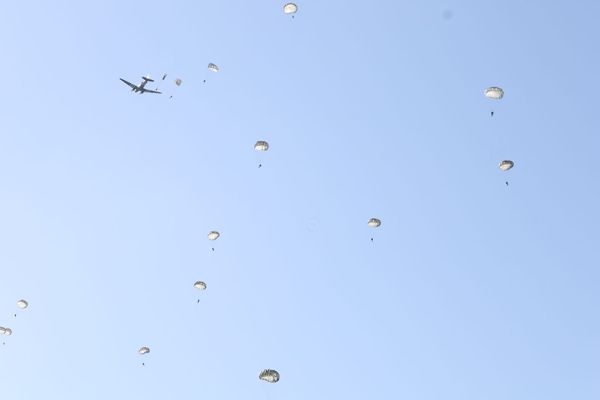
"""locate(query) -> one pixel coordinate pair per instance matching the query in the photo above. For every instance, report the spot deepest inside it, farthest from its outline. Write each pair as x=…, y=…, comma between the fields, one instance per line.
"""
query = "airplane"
x=141, y=89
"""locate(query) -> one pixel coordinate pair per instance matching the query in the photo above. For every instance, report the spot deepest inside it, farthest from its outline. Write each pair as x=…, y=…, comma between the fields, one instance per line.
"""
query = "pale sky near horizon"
x=471, y=289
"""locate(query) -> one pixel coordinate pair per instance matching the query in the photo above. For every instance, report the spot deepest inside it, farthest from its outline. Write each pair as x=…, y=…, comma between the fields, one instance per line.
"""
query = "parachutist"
x=506, y=183
x=492, y=113
x=198, y=301
x=164, y=76
x=143, y=364
x=371, y=240
x=213, y=249
x=204, y=81
x=259, y=165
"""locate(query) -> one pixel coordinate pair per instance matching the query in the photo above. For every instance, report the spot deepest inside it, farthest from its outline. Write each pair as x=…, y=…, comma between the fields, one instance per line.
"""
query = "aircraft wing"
x=131, y=85
x=150, y=91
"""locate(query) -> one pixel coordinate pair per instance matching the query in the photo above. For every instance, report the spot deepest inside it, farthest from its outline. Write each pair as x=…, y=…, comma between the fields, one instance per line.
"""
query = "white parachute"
x=494, y=93
x=213, y=235
x=374, y=223
x=269, y=375
x=22, y=304
x=7, y=331
x=213, y=67
x=200, y=285
x=178, y=82
x=290, y=8
x=144, y=350
x=506, y=165
x=261, y=145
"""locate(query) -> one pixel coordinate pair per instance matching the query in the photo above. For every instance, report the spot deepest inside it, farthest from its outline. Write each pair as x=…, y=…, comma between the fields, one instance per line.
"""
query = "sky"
x=470, y=289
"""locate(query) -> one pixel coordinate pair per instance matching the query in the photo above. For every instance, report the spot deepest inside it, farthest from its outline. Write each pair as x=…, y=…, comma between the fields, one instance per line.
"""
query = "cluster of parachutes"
x=497, y=93
x=21, y=304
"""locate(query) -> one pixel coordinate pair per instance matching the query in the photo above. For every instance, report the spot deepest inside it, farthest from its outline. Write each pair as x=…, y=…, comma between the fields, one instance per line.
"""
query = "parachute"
x=213, y=235
x=200, y=285
x=261, y=145
x=374, y=223
x=144, y=350
x=213, y=67
x=494, y=93
x=7, y=331
x=506, y=165
x=178, y=82
x=290, y=8
x=2, y=330
x=269, y=375
x=22, y=304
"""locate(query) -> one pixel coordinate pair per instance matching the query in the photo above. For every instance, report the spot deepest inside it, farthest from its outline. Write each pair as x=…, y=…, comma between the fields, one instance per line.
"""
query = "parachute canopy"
x=261, y=145
x=213, y=235
x=290, y=8
x=200, y=285
x=506, y=165
x=144, y=350
x=2, y=330
x=7, y=331
x=269, y=375
x=374, y=223
x=213, y=67
x=494, y=93
x=178, y=82
x=22, y=304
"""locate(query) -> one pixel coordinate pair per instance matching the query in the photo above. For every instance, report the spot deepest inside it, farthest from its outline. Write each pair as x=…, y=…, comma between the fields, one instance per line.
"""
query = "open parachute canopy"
x=374, y=223
x=494, y=93
x=200, y=285
x=6, y=331
x=213, y=235
x=269, y=375
x=506, y=165
x=178, y=82
x=22, y=304
x=144, y=350
x=261, y=145
x=213, y=67
x=290, y=8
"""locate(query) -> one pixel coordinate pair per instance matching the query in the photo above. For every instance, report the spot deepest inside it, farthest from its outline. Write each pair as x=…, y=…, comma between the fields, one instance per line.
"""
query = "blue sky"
x=470, y=290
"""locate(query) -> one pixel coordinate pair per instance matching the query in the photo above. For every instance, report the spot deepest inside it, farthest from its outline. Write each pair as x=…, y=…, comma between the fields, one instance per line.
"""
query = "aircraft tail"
x=147, y=79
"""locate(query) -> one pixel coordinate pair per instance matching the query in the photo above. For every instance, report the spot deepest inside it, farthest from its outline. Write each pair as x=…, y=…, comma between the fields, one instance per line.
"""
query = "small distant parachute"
x=374, y=223
x=22, y=304
x=200, y=285
x=494, y=93
x=290, y=8
x=261, y=145
x=144, y=350
x=7, y=331
x=2, y=330
x=213, y=67
x=213, y=235
x=269, y=375
x=178, y=82
x=506, y=165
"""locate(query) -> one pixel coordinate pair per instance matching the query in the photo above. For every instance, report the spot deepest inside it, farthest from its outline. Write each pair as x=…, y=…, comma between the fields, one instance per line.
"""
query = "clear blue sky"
x=471, y=289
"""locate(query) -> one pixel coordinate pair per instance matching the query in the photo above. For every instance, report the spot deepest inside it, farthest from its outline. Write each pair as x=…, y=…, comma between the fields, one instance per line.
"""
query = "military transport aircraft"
x=141, y=89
